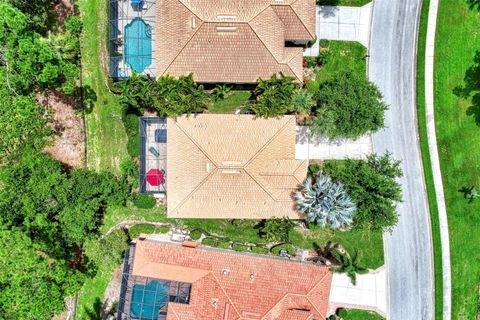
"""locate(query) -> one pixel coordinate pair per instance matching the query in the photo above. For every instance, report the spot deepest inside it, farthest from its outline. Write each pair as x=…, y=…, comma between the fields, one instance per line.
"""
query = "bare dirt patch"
x=63, y=9
x=68, y=145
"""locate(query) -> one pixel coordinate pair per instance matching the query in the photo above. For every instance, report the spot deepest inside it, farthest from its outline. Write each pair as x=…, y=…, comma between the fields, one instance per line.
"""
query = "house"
x=171, y=282
x=232, y=166
x=233, y=41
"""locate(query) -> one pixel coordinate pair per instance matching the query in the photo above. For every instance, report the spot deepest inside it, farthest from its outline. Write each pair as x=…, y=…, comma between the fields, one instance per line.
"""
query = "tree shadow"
x=469, y=193
x=474, y=4
x=471, y=87
x=89, y=98
x=95, y=312
x=328, y=8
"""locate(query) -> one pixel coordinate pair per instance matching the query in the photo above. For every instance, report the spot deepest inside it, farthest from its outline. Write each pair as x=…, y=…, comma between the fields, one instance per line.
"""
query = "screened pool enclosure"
x=131, y=38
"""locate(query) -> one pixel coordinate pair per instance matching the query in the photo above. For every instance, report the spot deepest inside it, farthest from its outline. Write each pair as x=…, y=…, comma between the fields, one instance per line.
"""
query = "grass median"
x=458, y=135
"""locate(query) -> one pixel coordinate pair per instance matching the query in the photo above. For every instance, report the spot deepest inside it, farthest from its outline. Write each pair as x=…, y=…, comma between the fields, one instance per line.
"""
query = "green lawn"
x=354, y=314
x=342, y=56
x=106, y=138
x=422, y=128
x=228, y=105
x=458, y=136
x=352, y=3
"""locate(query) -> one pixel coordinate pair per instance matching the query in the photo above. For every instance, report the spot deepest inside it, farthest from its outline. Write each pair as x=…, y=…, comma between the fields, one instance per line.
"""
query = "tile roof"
x=232, y=166
x=235, y=41
x=237, y=286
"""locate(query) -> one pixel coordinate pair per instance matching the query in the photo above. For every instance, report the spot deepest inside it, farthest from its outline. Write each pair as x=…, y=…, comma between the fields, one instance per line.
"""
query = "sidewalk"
x=434, y=159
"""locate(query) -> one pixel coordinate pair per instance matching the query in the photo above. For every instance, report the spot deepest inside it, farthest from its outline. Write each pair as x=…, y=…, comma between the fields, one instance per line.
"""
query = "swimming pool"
x=138, y=45
x=148, y=299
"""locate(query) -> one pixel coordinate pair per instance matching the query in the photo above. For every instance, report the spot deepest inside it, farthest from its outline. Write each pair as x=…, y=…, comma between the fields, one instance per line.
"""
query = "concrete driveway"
x=369, y=293
x=408, y=248
x=321, y=148
x=342, y=23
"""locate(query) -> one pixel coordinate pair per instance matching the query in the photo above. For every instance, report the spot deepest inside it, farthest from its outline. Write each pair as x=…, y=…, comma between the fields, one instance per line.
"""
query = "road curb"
x=434, y=158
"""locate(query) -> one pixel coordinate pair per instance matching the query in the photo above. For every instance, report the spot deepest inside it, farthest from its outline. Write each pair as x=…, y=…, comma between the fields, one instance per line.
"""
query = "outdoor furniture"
x=161, y=135
x=154, y=151
x=136, y=2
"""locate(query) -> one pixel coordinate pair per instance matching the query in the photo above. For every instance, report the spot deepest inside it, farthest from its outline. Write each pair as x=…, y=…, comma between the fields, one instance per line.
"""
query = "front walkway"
x=342, y=23
x=368, y=294
x=320, y=148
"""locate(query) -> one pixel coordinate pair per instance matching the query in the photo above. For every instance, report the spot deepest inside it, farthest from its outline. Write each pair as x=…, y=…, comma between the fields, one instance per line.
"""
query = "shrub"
x=136, y=230
x=302, y=102
x=209, y=242
x=325, y=202
x=374, y=188
x=276, y=229
x=348, y=106
x=286, y=246
x=131, y=124
x=112, y=246
x=240, y=247
x=223, y=244
x=274, y=96
x=324, y=43
x=195, y=234
x=323, y=56
x=314, y=169
x=259, y=250
x=163, y=229
x=144, y=200
x=311, y=62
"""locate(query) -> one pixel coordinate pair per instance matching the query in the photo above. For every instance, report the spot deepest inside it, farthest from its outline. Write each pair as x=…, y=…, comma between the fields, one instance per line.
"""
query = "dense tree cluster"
x=168, y=95
x=275, y=96
x=374, y=189
x=348, y=106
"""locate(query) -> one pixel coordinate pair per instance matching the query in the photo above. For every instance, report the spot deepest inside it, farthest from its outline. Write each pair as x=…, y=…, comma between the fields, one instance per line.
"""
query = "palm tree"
x=221, y=91
x=348, y=264
x=326, y=203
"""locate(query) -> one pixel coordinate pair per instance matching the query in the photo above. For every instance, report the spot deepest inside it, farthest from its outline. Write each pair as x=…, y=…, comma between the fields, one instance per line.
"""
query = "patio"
x=153, y=155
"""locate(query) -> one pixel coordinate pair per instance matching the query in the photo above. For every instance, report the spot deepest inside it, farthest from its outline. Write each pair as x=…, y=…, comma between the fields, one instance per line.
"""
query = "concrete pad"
x=342, y=23
x=310, y=147
x=368, y=294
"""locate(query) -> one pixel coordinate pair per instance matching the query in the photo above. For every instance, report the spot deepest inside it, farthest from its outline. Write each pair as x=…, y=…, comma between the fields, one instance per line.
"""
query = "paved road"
x=408, y=248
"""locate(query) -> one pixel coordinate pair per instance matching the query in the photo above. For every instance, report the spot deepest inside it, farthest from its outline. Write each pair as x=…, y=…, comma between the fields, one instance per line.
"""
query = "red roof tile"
x=237, y=286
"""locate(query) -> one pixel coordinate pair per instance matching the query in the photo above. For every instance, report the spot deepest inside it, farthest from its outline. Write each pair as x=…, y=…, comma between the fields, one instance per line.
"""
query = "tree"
x=373, y=187
x=348, y=264
x=24, y=124
x=274, y=96
x=277, y=229
x=348, y=106
x=168, y=95
x=33, y=284
x=39, y=13
x=29, y=61
x=325, y=202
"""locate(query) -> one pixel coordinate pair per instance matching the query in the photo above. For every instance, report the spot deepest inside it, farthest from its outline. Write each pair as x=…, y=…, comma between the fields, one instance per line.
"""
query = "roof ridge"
x=313, y=304
x=190, y=39
x=264, y=44
x=296, y=13
x=208, y=175
x=276, y=304
x=226, y=295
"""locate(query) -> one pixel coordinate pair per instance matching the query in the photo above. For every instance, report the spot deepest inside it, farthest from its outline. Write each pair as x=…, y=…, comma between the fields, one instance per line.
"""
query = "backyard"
x=458, y=134
x=369, y=245
x=106, y=137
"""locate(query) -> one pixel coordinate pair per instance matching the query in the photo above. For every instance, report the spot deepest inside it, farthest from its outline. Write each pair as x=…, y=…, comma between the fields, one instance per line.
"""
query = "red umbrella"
x=155, y=177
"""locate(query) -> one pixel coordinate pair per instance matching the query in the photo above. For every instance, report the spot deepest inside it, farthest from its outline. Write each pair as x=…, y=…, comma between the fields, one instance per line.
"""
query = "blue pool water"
x=138, y=45
x=148, y=299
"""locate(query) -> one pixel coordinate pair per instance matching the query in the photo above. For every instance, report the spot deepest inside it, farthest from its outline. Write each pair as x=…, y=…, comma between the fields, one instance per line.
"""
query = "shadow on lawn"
x=471, y=87
x=474, y=4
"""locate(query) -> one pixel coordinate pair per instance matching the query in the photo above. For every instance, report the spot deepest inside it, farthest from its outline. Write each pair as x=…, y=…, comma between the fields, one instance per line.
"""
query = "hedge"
x=260, y=250
x=136, y=230
x=144, y=200
x=240, y=247
x=195, y=234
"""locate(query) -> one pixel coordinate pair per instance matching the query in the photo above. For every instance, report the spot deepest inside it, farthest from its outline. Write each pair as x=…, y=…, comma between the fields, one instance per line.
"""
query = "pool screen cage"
x=121, y=14
x=138, y=302
x=153, y=153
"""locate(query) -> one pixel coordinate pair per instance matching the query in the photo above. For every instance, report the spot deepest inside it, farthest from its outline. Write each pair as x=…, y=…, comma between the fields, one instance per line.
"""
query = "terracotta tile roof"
x=232, y=166
x=236, y=41
x=238, y=286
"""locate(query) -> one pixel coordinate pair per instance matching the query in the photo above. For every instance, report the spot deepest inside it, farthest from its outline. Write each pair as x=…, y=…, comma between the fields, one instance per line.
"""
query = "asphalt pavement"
x=408, y=249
